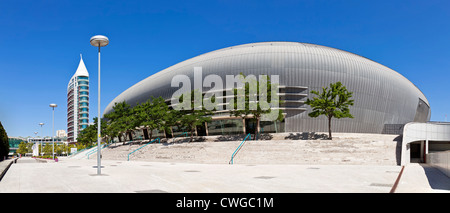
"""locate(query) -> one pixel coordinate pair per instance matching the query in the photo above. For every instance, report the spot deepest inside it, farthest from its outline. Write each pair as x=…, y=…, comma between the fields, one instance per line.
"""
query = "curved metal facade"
x=382, y=96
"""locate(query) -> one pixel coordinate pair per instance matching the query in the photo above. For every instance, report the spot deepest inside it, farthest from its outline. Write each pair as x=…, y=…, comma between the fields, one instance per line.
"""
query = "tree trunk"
x=145, y=131
x=192, y=134
x=120, y=138
x=165, y=133
x=130, y=136
x=257, y=128
x=329, y=128
x=151, y=134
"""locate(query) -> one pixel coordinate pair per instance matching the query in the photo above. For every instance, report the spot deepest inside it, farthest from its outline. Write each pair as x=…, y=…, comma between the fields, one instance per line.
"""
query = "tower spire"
x=81, y=70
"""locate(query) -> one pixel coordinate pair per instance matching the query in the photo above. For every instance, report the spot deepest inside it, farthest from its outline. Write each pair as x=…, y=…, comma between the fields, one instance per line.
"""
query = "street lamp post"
x=99, y=41
x=53, y=129
x=35, y=143
x=41, y=124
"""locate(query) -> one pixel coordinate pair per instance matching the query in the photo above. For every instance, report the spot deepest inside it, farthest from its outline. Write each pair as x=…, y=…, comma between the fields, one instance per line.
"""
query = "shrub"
x=45, y=157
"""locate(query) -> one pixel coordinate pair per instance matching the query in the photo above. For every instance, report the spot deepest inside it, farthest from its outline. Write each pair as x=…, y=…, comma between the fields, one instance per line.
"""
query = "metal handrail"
x=101, y=147
x=142, y=147
x=239, y=147
x=184, y=133
x=79, y=151
x=90, y=151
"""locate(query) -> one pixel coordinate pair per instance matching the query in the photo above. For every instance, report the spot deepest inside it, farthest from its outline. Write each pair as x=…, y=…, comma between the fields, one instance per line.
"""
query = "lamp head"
x=99, y=41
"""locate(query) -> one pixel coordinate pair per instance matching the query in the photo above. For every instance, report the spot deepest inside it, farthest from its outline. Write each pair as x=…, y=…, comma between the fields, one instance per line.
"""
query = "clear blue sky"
x=40, y=43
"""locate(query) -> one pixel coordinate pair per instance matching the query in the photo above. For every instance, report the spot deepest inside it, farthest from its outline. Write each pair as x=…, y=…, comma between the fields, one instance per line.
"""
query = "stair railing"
x=157, y=139
x=102, y=146
x=184, y=133
x=239, y=147
x=91, y=151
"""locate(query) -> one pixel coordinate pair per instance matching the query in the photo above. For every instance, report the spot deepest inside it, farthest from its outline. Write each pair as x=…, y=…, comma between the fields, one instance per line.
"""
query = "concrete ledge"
x=4, y=166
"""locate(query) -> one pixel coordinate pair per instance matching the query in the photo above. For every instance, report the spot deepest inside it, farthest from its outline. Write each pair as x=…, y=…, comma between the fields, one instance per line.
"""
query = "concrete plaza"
x=79, y=176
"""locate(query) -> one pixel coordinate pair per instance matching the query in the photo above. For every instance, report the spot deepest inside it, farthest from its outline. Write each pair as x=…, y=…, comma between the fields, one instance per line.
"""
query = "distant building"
x=77, y=102
x=14, y=144
x=39, y=142
x=61, y=133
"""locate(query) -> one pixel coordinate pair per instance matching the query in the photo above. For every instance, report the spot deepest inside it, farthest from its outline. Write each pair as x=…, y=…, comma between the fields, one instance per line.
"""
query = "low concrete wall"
x=440, y=160
x=4, y=166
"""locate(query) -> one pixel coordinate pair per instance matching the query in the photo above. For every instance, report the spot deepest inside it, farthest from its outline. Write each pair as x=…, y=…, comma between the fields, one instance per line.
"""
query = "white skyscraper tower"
x=77, y=102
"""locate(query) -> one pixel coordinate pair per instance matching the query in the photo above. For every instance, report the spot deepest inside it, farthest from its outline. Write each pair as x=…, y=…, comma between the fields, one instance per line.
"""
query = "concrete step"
x=356, y=150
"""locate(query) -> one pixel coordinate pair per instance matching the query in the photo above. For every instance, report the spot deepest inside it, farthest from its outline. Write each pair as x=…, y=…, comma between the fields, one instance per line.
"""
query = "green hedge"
x=45, y=157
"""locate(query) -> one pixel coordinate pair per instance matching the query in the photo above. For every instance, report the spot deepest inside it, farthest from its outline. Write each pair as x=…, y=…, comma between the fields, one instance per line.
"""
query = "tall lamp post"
x=41, y=124
x=53, y=129
x=99, y=41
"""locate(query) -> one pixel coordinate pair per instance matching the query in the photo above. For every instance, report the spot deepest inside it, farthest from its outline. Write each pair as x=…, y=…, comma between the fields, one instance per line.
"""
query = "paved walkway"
x=75, y=175
x=418, y=178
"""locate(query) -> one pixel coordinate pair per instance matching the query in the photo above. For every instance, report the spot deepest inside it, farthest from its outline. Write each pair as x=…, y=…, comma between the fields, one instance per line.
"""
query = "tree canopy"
x=4, y=143
x=331, y=102
x=89, y=135
x=194, y=116
x=154, y=114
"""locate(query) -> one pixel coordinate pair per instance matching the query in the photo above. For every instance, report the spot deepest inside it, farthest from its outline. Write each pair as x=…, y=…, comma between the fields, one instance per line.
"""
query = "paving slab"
x=79, y=176
x=420, y=178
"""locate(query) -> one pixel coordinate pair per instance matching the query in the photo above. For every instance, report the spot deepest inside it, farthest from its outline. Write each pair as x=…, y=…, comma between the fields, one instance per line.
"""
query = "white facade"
x=77, y=102
x=426, y=133
x=61, y=133
x=35, y=149
x=383, y=97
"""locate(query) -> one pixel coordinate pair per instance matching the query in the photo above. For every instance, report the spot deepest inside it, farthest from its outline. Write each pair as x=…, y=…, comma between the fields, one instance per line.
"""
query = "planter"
x=56, y=159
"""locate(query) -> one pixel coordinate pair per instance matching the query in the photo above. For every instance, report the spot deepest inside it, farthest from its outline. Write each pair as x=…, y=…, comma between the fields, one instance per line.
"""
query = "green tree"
x=111, y=129
x=29, y=147
x=191, y=118
x=121, y=120
x=80, y=146
x=48, y=149
x=142, y=113
x=60, y=149
x=67, y=148
x=22, y=149
x=4, y=143
x=88, y=135
x=163, y=115
x=151, y=115
x=332, y=102
x=170, y=119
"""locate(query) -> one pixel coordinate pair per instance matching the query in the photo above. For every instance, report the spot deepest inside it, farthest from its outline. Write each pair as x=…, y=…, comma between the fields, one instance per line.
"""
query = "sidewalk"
x=422, y=178
x=74, y=175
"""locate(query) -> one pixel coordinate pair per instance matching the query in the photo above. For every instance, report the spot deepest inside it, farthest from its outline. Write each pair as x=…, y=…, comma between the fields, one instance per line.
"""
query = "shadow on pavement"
x=436, y=178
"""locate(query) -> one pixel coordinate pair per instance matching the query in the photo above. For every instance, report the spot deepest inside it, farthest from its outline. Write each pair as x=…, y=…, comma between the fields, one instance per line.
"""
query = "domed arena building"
x=384, y=100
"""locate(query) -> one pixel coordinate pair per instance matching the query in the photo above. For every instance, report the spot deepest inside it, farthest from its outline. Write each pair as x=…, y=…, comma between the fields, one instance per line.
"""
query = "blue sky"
x=40, y=43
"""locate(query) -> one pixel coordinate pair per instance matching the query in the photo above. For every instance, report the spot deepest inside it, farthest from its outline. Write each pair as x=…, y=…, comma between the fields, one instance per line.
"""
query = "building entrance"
x=201, y=130
x=250, y=126
x=415, y=152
